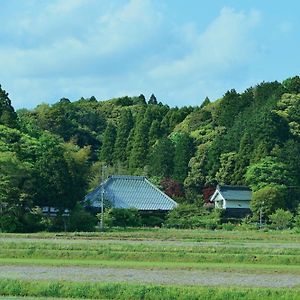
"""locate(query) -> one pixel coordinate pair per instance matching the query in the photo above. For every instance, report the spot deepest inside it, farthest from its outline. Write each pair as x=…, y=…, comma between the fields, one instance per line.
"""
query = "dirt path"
x=180, y=277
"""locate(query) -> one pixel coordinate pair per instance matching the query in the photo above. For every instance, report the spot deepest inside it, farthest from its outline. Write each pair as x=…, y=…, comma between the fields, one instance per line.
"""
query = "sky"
x=182, y=51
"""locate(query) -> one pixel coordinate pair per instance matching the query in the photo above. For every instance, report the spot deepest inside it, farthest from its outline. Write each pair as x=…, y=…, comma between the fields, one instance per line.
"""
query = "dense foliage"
x=51, y=155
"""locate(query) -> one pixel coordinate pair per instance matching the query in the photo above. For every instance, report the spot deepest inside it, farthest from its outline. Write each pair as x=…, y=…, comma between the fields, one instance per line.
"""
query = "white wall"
x=219, y=201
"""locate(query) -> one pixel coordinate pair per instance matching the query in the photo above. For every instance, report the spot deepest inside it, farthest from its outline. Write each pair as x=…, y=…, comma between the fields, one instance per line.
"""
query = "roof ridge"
x=234, y=187
x=129, y=177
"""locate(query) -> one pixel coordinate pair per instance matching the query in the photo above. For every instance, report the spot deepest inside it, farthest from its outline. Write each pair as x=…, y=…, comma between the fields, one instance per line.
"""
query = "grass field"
x=151, y=264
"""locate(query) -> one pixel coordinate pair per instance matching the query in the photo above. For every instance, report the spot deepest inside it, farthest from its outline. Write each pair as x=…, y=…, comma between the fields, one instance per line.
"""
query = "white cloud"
x=224, y=44
x=118, y=32
x=80, y=48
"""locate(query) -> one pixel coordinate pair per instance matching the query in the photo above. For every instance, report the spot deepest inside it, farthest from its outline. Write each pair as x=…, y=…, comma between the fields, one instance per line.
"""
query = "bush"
x=297, y=218
x=247, y=224
x=192, y=216
x=9, y=223
x=55, y=224
x=229, y=226
x=81, y=220
x=32, y=222
x=151, y=220
x=281, y=219
x=122, y=217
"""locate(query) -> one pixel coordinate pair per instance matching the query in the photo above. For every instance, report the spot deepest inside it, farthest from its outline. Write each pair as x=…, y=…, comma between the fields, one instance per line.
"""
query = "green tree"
x=228, y=108
x=81, y=220
x=243, y=157
x=226, y=172
x=57, y=119
x=297, y=218
x=281, y=219
x=266, y=200
x=78, y=165
x=184, y=150
x=152, y=99
x=54, y=182
x=155, y=132
x=8, y=117
x=16, y=191
x=289, y=154
x=123, y=130
x=141, y=100
x=28, y=123
x=161, y=158
x=108, y=143
x=288, y=108
x=292, y=84
x=197, y=176
x=205, y=102
x=173, y=117
x=139, y=153
x=268, y=171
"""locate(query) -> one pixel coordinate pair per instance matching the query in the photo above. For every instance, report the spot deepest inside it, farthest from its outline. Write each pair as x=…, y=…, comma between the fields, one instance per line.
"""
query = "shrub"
x=122, y=217
x=229, y=226
x=81, y=220
x=281, y=219
x=151, y=220
x=247, y=224
x=55, y=224
x=297, y=218
x=192, y=216
x=32, y=222
x=9, y=223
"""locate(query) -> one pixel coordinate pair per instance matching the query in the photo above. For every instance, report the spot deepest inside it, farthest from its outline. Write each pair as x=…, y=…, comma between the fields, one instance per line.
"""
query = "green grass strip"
x=199, y=235
x=34, y=298
x=137, y=292
x=162, y=256
x=227, y=267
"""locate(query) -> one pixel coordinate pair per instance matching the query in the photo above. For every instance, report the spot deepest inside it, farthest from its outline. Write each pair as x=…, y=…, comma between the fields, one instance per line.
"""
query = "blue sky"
x=182, y=51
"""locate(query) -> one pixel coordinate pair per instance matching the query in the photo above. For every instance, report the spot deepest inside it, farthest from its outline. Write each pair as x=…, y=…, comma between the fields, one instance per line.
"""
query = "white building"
x=234, y=199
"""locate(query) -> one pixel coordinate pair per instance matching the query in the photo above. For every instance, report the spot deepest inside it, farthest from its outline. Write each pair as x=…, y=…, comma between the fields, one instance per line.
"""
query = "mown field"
x=151, y=264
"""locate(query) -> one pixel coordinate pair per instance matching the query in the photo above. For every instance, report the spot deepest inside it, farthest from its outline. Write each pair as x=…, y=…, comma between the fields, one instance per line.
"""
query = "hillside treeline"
x=53, y=154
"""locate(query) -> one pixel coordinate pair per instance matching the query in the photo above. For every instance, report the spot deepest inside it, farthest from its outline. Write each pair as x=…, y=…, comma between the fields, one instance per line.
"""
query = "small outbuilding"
x=234, y=199
x=123, y=191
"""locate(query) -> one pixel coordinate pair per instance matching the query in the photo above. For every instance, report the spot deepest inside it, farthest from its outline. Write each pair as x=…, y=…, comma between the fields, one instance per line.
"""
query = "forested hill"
x=53, y=154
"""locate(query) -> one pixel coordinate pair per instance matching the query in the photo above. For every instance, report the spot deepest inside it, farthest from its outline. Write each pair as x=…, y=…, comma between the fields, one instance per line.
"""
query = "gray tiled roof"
x=235, y=192
x=131, y=192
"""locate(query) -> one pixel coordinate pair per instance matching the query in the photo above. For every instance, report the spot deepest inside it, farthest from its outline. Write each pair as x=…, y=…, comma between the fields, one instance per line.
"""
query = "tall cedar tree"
x=108, y=143
x=123, y=131
x=152, y=99
x=292, y=84
x=154, y=132
x=205, y=102
x=139, y=152
x=8, y=117
x=184, y=150
x=161, y=158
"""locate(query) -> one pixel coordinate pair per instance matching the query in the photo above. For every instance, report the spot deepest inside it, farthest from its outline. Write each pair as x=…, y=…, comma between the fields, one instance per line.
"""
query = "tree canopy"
x=50, y=155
